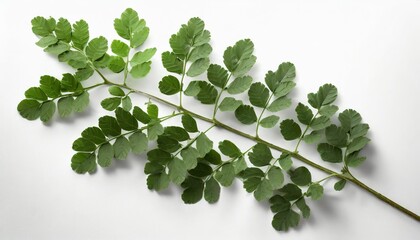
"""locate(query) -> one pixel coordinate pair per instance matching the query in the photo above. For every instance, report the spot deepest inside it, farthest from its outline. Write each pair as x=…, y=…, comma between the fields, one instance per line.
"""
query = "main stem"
x=347, y=176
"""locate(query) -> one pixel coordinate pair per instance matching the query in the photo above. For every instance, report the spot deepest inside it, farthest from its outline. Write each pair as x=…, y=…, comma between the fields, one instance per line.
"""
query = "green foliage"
x=183, y=155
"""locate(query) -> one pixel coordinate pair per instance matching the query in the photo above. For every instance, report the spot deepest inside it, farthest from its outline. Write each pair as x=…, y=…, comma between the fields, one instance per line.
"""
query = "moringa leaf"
x=290, y=129
x=229, y=104
x=258, y=95
x=246, y=114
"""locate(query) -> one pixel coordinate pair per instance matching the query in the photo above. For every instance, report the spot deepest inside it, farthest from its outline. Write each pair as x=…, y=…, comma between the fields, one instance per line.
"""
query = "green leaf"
x=159, y=156
x=320, y=123
x=201, y=170
x=244, y=66
x=74, y=59
x=109, y=126
x=240, y=165
x=102, y=62
x=81, y=102
x=239, y=85
x=330, y=153
x=225, y=175
x=69, y=83
x=121, y=148
x=202, y=39
x=313, y=137
x=158, y=181
x=252, y=172
x=83, y=162
x=105, y=155
x=177, y=171
x=153, y=168
x=172, y=63
x=94, y=134
x=357, y=144
x=207, y=93
x=42, y=26
x=326, y=94
x=279, y=204
x=47, y=41
x=154, y=130
x=252, y=183
x=126, y=120
x=47, y=111
x=189, y=123
x=202, y=51
x=116, y=64
x=275, y=177
x=65, y=106
x=141, y=115
x=168, y=144
x=83, y=145
x=260, y=155
x=139, y=37
x=96, y=48
x=213, y=157
x=229, y=149
x=304, y=114
x=279, y=104
x=169, y=85
x=286, y=72
x=315, y=191
x=126, y=103
x=198, y=67
x=229, y=104
x=349, y=118
x=246, y=114
x=138, y=142
x=177, y=133
x=303, y=207
x=193, y=89
x=236, y=56
x=120, y=48
x=284, y=88
x=328, y=111
x=270, y=121
x=258, y=94
x=140, y=70
x=290, y=129
x=301, y=176
x=354, y=160
x=291, y=192
x=152, y=110
x=50, y=86
x=190, y=155
x=285, y=162
x=336, y=136
x=36, y=93
x=203, y=144
x=111, y=104
x=142, y=56
x=193, y=190
x=80, y=35
x=83, y=73
x=116, y=91
x=359, y=130
x=264, y=190
x=284, y=220
x=57, y=48
x=63, y=30
x=338, y=186
x=212, y=191
x=217, y=75
x=128, y=23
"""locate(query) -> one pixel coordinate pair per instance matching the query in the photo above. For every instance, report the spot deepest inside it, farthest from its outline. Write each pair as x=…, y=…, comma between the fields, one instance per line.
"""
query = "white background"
x=369, y=49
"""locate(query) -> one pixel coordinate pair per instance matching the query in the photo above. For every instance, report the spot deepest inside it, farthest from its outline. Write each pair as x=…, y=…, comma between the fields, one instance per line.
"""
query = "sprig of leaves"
x=183, y=155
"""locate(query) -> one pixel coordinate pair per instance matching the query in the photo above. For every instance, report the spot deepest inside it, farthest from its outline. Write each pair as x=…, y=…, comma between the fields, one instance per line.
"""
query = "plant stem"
x=304, y=132
x=216, y=103
x=261, y=114
x=293, y=154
